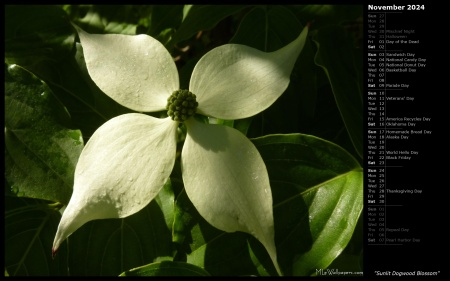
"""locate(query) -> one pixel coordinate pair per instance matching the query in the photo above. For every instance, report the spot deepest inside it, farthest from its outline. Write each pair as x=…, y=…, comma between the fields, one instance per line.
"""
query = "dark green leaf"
x=314, y=181
x=41, y=39
x=320, y=186
x=118, y=19
x=41, y=154
x=342, y=64
x=30, y=226
x=164, y=17
x=203, y=17
x=322, y=15
x=36, y=33
x=167, y=268
x=111, y=246
x=209, y=248
x=268, y=28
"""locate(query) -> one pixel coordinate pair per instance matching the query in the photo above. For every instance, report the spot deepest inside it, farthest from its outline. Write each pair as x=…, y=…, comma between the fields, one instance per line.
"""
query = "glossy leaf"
x=332, y=221
x=324, y=206
x=41, y=154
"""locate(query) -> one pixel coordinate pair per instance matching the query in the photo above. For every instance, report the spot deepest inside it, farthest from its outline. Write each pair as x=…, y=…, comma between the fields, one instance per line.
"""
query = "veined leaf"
x=203, y=17
x=30, y=225
x=41, y=154
x=314, y=181
x=109, y=247
x=320, y=186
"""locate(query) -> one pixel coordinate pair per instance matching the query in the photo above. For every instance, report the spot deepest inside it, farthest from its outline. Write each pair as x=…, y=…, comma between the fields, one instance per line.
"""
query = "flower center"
x=181, y=105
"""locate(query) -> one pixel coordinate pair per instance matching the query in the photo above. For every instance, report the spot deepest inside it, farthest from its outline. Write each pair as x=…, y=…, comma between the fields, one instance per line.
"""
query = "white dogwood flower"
x=129, y=158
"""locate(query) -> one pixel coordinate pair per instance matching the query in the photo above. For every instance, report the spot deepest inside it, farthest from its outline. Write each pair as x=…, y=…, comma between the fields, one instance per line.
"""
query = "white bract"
x=128, y=159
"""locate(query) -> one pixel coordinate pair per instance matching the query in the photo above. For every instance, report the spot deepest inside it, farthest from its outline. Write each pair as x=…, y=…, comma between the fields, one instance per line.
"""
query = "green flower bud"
x=181, y=105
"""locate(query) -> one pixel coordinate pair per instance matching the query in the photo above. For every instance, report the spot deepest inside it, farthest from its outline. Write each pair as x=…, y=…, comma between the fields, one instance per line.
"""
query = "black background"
x=424, y=214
